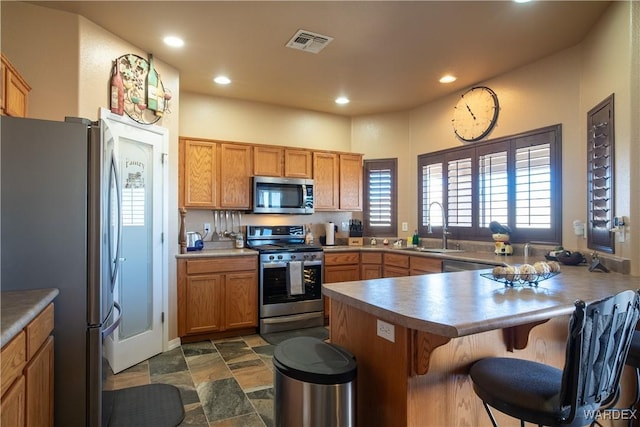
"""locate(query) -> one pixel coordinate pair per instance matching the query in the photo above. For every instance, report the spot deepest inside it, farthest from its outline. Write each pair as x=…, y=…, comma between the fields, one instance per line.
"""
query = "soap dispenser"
x=416, y=238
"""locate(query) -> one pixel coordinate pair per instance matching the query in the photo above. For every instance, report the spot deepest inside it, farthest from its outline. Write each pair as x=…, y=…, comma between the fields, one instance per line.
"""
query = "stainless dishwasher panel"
x=449, y=265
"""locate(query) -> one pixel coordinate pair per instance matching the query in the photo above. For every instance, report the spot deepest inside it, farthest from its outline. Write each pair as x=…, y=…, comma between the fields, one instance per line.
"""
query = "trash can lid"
x=312, y=360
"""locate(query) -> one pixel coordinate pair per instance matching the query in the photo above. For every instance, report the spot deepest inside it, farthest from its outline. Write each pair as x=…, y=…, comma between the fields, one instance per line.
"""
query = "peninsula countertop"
x=18, y=308
x=464, y=303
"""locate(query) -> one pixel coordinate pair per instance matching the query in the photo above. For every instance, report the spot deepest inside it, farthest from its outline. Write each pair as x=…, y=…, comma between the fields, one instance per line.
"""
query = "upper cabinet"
x=14, y=91
x=205, y=165
x=279, y=161
x=338, y=181
x=217, y=174
x=350, y=182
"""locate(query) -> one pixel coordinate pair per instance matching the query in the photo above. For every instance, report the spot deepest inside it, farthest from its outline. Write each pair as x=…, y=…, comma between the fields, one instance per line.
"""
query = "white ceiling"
x=385, y=56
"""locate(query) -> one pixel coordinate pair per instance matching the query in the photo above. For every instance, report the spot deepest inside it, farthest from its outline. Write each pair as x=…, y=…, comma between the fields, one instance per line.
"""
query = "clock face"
x=475, y=113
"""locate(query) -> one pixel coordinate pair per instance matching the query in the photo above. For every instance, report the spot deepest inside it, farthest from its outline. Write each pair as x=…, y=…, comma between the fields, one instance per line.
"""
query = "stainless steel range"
x=290, y=278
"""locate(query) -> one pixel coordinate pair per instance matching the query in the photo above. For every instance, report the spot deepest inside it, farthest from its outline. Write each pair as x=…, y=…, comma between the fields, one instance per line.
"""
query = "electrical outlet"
x=405, y=226
x=207, y=227
x=386, y=331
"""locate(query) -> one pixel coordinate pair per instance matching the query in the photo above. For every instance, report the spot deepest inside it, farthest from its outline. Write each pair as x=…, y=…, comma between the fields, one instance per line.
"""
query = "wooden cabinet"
x=395, y=265
x=424, y=265
x=338, y=181
x=205, y=165
x=298, y=163
x=350, y=182
x=235, y=176
x=340, y=267
x=279, y=161
x=217, y=295
x=326, y=177
x=14, y=90
x=268, y=160
x=370, y=265
x=26, y=368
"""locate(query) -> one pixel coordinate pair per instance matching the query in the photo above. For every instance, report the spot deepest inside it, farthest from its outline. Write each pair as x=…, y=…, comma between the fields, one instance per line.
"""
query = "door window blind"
x=432, y=191
x=380, y=197
x=459, y=193
x=493, y=192
x=533, y=187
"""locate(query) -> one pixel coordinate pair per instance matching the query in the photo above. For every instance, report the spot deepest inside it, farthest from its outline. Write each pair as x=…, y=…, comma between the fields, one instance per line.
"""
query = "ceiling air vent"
x=308, y=41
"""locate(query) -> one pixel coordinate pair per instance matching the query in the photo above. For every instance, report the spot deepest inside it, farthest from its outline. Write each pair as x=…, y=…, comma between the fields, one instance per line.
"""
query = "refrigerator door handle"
x=109, y=330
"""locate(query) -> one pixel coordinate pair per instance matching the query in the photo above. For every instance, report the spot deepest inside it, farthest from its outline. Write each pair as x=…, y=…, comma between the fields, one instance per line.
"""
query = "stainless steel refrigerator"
x=60, y=228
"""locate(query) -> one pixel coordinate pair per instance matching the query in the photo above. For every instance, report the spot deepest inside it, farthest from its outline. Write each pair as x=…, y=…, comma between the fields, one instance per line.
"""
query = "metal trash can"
x=315, y=384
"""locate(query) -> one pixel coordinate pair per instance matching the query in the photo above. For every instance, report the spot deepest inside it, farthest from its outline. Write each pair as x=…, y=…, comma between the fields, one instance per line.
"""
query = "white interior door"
x=142, y=275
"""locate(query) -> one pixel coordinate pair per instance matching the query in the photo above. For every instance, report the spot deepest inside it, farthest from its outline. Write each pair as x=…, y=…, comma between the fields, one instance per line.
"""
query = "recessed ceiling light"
x=222, y=80
x=174, y=41
x=448, y=79
x=521, y=1
x=342, y=100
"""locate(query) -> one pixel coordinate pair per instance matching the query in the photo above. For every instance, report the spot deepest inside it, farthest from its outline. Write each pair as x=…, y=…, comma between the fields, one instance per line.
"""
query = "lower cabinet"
x=395, y=265
x=217, y=295
x=27, y=375
x=340, y=267
x=424, y=265
x=370, y=265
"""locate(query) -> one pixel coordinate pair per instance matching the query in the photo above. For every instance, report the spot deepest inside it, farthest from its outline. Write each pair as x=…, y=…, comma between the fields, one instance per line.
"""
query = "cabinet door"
x=267, y=161
x=204, y=304
x=341, y=273
x=39, y=391
x=350, y=182
x=12, y=407
x=241, y=300
x=200, y=174
x=326, y=179
x=370, y=271
x=235, y=176
x=298, y=163
x=391, y=271
x=425, y=265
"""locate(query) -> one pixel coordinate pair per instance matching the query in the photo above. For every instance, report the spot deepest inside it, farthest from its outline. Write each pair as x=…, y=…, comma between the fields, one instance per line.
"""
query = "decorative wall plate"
x=134, y=70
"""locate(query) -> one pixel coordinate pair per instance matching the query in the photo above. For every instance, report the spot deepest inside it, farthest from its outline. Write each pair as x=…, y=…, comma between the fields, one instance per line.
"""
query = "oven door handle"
x=274, y=265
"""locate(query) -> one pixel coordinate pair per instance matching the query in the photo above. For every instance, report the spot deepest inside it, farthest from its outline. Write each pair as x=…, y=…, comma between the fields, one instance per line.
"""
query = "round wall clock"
x=475, y=114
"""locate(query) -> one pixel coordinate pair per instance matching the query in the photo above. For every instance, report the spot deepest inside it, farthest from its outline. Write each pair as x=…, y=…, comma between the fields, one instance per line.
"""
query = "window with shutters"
x=515, y=181
x=380, y=195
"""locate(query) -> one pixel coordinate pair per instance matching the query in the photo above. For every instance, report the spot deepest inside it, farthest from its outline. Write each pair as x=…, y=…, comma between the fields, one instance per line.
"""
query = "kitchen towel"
x=294, y=278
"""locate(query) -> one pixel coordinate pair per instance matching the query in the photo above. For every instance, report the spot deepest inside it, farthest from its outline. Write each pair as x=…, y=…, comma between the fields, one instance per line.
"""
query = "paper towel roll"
x=330, y=233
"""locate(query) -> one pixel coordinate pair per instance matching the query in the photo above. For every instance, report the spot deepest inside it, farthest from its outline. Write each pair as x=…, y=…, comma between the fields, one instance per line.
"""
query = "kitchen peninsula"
x=435, y=326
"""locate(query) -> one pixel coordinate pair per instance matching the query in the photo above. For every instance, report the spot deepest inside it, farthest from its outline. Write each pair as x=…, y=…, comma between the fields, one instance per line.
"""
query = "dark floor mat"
x=152, y=405
x=276, y=338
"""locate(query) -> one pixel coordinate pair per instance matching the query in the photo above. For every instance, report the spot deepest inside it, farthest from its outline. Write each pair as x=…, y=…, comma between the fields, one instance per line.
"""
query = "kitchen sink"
x=435, y=250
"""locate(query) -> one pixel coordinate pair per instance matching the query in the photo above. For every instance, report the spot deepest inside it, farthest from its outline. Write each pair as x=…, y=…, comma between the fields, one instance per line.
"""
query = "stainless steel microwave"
x=276, y=195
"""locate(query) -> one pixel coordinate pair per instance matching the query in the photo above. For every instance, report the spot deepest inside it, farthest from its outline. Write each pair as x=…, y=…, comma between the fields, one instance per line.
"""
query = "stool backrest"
x=599, y=338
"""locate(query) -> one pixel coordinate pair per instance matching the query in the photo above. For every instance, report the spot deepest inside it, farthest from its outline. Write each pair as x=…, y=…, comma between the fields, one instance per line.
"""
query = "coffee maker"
x=501, y=238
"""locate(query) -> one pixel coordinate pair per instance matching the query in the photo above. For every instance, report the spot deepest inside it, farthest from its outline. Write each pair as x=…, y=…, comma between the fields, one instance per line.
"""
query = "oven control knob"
x=313, y=256
x=279, y=256
x=271, y=257
x=293, y=257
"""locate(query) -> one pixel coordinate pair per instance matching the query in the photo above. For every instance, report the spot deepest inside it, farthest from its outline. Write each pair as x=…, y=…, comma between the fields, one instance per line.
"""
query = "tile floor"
x=223, y=383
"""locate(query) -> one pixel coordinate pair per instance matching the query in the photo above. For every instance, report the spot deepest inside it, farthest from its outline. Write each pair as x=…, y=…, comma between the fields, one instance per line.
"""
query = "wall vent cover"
x=308, y=41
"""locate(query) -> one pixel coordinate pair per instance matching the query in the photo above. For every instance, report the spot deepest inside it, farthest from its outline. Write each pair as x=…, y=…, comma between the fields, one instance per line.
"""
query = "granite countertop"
x=464, y=303
x=18, y=308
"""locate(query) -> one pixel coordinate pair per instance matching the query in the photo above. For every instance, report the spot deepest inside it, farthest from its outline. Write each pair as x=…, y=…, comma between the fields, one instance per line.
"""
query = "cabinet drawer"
x=397, y=260
x=342, y=258
x=428, y=265
x=371, y=257
x=220, y=265
x=12, y=360
x=38, y=330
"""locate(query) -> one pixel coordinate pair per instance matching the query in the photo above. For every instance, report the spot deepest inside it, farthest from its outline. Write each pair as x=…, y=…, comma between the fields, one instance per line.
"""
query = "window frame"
x=551, y=135
x=392, y=229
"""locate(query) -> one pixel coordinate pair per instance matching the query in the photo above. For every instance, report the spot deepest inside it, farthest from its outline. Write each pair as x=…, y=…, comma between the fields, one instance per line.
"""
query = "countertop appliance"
x=290, y=278
x=60, y=228
x=283, y=195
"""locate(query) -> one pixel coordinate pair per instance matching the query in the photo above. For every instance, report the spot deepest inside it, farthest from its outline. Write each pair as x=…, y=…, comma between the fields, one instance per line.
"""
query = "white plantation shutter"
x=533, y=187
x=493, y=189
x=380, y=197
x=459, y=193
x=432, y=191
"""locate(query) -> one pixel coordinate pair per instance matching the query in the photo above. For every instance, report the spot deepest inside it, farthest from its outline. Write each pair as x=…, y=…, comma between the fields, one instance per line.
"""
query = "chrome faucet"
x=445, y=233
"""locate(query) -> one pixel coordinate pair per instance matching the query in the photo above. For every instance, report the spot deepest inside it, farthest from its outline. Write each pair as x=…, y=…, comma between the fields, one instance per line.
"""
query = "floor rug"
x=152, y=405
x=276, y=338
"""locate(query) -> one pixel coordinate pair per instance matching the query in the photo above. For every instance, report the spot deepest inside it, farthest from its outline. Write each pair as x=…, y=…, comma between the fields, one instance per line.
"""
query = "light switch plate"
x=405, y=226
x=386, y=331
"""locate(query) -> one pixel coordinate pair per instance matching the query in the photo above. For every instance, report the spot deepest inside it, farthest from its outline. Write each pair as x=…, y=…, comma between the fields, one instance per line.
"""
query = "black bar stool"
x=600, y=335
x=633, y=360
